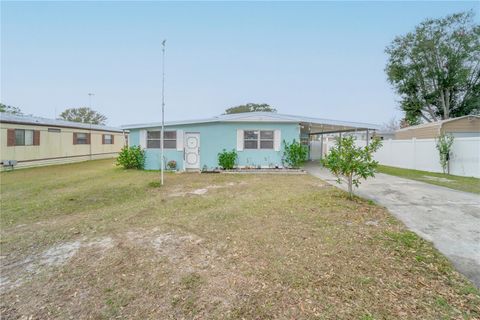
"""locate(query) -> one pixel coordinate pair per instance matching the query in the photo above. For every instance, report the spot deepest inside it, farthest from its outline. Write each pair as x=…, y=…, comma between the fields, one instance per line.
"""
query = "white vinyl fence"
x=422, y=154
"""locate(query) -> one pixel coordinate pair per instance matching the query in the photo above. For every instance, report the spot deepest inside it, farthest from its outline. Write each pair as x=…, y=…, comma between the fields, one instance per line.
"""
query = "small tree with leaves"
x=84, y=115
x=350, y=163
x=444, y=145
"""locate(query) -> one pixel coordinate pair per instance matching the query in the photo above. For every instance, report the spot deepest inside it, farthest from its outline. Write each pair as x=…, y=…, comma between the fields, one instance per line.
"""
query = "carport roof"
x=315, y=124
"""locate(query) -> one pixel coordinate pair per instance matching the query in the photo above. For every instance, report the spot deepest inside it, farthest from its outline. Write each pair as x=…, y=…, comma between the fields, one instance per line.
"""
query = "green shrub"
x=227, y=159
x=294, y=153
x=154, y=184
x=131, y=158
x=172, y=165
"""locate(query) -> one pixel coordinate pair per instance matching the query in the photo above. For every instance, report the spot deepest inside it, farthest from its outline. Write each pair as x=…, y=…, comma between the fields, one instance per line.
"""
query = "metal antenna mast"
x=90, y=95
x=163, y=112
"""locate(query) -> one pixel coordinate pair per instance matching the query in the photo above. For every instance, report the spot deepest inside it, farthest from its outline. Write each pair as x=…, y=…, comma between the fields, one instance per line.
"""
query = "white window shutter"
x=239, y=140
x=277, y=140
x=179, y=140
x=143, y=139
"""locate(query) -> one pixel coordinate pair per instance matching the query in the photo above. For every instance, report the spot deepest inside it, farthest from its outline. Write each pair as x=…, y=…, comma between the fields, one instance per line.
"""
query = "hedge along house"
x=33, y=141
x=257, y=137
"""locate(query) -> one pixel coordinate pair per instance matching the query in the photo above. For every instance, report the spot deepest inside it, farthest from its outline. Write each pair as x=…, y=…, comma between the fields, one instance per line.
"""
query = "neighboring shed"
x=466, y=126
x=34, y=141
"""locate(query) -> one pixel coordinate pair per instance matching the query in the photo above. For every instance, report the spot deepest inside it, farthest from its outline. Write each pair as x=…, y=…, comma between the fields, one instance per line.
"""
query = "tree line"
x=87, y=115
x=83, y=114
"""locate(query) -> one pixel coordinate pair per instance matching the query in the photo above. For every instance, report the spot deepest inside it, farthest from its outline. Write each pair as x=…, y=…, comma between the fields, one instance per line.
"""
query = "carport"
x=314, y=130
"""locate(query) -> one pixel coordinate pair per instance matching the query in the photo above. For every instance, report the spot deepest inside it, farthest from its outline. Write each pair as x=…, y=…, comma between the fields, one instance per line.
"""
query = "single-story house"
x=466, y=126
x=256, y=136
x=33, y=141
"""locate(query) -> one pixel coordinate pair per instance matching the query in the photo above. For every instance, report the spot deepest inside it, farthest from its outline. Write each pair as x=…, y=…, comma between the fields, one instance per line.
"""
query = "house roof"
x=260, y=117
x=436, y=123
x=10, y=118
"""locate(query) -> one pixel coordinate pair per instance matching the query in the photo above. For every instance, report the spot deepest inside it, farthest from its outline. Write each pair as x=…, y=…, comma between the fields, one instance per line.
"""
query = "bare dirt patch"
x=57, y=255
x=190, y=270
x=200, y=273
x=16, y=271
x=199, y=191
x=204, y=190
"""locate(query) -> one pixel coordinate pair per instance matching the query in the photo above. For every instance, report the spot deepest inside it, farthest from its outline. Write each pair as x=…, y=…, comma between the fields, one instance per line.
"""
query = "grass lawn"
x=468, y=184
x=89, y=240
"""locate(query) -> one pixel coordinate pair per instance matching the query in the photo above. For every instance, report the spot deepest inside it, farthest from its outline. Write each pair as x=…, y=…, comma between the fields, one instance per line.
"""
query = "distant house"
x=34, y=141
x=381, y=134
x=257, y=137
x=466, y=126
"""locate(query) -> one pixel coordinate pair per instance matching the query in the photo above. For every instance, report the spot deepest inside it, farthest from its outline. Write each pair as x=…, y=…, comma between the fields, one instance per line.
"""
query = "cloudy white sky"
x=320, y=59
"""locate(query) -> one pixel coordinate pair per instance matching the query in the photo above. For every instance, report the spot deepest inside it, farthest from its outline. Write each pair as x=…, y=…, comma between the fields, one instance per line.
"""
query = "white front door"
x=192, y=150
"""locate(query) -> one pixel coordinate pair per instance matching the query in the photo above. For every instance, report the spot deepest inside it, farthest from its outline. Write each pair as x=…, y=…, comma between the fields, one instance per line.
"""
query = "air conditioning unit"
x=9, y=163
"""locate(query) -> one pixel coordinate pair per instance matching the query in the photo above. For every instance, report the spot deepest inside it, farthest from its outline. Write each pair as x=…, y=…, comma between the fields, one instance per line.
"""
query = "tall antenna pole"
x=90, y=95
x=163, y=112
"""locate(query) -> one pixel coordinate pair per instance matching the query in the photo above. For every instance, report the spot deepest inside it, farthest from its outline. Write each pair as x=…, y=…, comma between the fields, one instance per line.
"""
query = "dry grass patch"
x=90, y=240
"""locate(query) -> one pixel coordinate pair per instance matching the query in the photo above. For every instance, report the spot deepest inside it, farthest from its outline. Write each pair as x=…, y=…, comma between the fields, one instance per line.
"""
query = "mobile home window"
x=266, y=139
x=82, y=138
x=258, y=139
x=54, y=130
x=250, y=139
x=107, y=139
x=23, y=137
x=169, y=139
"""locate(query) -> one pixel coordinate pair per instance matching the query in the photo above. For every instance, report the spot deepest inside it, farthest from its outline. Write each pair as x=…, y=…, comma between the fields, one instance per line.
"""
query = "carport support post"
x=367, y=137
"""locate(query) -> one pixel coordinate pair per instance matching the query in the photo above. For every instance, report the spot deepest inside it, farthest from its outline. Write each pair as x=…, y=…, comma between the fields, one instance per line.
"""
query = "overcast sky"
x=319, y=59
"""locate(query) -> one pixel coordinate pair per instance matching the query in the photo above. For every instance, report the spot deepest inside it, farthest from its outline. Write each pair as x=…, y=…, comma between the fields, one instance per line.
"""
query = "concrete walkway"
x=448, y=218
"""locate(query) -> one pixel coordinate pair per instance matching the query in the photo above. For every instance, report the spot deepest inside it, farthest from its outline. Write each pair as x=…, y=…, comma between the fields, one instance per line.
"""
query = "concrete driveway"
x=448, y=218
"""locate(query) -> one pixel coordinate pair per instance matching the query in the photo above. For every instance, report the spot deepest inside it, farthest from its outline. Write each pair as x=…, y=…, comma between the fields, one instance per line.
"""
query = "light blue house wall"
x=214, y=137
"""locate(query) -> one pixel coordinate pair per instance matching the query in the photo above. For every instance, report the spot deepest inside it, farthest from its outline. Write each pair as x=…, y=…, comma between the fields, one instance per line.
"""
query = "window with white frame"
x=23, y=137
x=169, y=139
x=258, y=139
x=153, y=139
